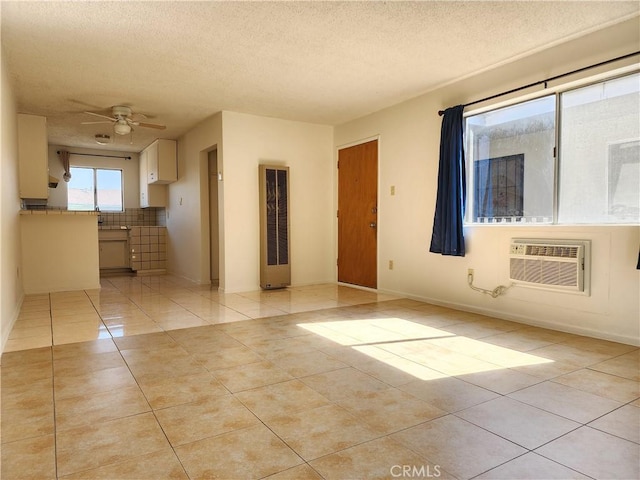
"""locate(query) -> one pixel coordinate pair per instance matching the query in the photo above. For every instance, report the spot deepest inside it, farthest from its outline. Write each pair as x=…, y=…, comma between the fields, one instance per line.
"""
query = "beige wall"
x=409, y=143
x=243, y=142
x=59, y=252
x=188, y=208
x=11, y=291
x=249, y=141
x=130, y=172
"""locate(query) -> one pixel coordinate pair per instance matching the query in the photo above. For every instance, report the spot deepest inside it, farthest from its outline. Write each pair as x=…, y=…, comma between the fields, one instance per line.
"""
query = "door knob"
x=373, y=225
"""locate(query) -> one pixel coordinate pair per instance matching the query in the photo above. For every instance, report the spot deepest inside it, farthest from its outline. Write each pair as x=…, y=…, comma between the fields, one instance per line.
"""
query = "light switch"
x=393, y=189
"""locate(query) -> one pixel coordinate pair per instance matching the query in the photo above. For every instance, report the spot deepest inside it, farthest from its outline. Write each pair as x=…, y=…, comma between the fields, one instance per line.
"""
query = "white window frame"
x=515, y=100
x=95, y=186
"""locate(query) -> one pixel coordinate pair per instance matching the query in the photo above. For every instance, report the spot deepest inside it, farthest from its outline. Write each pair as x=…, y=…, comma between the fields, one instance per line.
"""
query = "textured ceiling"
x=322, y=62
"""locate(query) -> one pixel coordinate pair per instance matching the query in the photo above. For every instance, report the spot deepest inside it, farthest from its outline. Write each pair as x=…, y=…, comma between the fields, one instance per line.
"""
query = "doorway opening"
x=214, y=218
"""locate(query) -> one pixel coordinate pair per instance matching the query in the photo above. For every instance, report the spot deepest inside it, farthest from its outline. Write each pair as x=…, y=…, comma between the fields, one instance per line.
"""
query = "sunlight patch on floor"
x=424, y=352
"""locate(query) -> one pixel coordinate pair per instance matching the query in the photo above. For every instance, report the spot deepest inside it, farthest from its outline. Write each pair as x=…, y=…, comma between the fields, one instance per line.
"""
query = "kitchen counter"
x=113, y=227
x=59, y=251
x=85, y=213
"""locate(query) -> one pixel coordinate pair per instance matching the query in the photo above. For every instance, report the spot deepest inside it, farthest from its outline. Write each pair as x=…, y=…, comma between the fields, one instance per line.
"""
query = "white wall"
x=187, y=213
x=11, y=291
x=249, y=141
x=409, y=144
x=130, y=172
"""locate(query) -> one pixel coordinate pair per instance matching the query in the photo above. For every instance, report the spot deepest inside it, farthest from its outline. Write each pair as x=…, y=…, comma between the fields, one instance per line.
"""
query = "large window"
x=514, y=176
x=511, y=154
x=599, y=177
x=91, y=188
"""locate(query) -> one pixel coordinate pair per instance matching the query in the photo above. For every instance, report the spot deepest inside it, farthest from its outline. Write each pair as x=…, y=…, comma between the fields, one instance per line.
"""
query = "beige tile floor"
x=153, y=377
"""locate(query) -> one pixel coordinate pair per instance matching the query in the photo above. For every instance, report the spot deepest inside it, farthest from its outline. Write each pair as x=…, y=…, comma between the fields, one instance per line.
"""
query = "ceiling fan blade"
x=151, y=125
x=136, y=117
x=101, y=116
x=94, y=123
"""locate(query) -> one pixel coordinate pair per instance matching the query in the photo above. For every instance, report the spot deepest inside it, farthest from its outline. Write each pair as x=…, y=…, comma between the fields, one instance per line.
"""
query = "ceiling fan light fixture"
x=102, y=139
x=121, y=127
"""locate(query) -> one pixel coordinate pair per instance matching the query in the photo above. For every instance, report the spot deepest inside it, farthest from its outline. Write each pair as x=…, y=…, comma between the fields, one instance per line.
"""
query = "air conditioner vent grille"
x=552, y=251
x=550, y=264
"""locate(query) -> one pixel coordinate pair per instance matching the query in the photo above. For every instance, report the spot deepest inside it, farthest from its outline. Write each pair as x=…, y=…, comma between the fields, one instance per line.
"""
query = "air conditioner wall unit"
x=275, y=265
x=551, y=264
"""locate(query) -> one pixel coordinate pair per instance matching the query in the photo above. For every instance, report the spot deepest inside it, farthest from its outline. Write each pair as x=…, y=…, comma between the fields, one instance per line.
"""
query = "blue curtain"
x=447, y=237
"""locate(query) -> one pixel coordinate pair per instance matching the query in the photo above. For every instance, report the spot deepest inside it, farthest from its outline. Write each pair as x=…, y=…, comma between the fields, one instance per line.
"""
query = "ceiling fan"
x=123, y=120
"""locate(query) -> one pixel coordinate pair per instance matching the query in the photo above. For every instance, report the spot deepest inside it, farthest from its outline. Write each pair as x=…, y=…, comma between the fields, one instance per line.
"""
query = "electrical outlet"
x=393, y=189
x=390, y=264
x=470, y=272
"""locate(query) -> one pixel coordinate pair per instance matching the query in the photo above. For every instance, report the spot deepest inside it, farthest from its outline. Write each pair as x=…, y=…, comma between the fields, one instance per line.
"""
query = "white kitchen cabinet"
x=162, y=165
x=33, y=157
x=150, y=195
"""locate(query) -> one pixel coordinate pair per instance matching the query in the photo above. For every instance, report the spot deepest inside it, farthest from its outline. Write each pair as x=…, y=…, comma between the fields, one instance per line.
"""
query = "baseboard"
x=360, y=287
x=312, y=283
x=521, y=319
x=184, y=277
x=64, y=288
x=14, y=317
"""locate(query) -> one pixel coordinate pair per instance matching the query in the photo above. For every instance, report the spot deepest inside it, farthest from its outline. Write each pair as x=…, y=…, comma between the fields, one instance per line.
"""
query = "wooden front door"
x=358, y=214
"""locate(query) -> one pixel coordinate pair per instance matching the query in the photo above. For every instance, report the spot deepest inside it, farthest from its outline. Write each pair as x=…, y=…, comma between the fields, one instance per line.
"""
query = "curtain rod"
x=95, y=155
x=545, y=81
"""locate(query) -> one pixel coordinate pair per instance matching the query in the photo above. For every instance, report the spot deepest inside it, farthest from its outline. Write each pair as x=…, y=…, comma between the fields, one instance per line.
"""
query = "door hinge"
x=554, y=152
x=337, y=213
x=338, y=164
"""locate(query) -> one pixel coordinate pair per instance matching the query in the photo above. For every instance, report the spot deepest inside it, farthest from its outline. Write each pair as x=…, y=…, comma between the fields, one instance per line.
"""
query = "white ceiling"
x=322, y=62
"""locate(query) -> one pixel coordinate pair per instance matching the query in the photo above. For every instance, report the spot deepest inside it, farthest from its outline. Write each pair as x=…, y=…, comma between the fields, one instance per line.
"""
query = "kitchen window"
x=514, y=175
x=95, y=188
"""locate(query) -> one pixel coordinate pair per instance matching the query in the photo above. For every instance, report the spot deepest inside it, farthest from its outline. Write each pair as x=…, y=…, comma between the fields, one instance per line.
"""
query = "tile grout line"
x=151, y=410
x=455, y=414
x=53, y=396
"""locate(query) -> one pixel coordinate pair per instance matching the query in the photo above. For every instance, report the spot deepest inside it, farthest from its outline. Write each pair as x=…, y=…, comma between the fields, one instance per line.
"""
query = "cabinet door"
x=162, y=162
x=33, y=157
x=144, y=194
x=150, y=195
x=114, y=254
x=152, y=162
x=167, y=161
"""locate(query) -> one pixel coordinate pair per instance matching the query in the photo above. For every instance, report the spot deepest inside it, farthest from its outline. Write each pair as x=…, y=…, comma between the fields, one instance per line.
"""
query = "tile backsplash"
x=131, y=217
x=135, y=217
